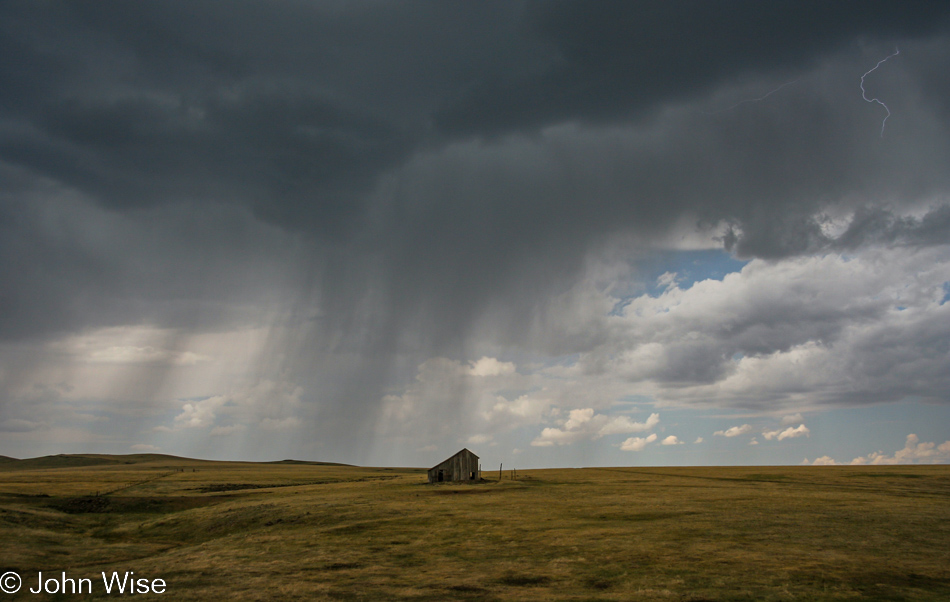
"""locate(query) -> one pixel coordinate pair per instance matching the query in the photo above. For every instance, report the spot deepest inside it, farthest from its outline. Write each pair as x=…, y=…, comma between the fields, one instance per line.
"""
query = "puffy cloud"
x=753, y=441
x=799, y=333
x=623, y=424
x=735, y=431
x=914, y=452
x=823, y=461
x=487, y=394
x=666, y=280
x=764, y=315
x=698, y=440
x=491, y=398
x=489, y=366
x=524, y=409
x=578, y=418
x=791, y=419
x=585, y=424
x=637, y=443
x=789, y=433
x=576, y=427
x=671, y=440
x=201, y=413
x=268, y=404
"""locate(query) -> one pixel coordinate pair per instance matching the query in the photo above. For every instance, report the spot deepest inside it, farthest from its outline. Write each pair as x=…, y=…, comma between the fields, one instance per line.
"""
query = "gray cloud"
x=880, y=226
x=378, y=184
x=70, y=265
x=615, y=59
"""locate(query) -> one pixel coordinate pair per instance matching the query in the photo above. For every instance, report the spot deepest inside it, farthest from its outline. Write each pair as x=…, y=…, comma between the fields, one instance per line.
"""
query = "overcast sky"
x=556, y=233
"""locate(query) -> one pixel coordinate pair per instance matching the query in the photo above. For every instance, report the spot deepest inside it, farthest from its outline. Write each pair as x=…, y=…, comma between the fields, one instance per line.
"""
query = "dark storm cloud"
x=611, y=60
x=447, y=158
x=879, y=226
x=296, y=108
x=292, y=108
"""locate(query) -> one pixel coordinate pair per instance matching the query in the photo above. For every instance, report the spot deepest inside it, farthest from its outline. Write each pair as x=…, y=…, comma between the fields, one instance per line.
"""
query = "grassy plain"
x=297, y=531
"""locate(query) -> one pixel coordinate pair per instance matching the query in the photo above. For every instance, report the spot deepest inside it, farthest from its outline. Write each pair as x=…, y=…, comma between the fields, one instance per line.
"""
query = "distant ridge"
x=82, y=460
x=312, y=463
x=76, y=460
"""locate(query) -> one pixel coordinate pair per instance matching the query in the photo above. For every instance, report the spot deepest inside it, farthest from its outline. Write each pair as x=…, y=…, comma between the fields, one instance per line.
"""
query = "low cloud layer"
x=914, y=451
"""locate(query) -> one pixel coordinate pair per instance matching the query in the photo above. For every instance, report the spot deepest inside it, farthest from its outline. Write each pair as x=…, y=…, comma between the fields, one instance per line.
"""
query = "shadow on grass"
x=131, y=505
x=519, y=580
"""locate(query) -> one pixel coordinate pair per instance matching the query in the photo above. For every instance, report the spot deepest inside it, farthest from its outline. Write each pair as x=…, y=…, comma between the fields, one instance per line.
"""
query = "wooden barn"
x=463, y=466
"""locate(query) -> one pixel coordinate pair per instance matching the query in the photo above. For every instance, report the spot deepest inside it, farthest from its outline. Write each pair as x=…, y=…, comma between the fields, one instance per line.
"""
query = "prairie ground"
x=299, y=531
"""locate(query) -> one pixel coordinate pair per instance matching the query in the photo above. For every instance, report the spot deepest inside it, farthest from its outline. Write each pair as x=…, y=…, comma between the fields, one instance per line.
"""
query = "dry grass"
x=296, y=531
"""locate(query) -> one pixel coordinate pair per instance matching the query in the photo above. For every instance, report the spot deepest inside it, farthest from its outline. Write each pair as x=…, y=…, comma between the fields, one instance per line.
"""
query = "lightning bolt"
x=761, y=98
x=864, y=93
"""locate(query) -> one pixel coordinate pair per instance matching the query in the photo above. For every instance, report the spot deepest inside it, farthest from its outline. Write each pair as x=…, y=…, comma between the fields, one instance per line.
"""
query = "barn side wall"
x=459, y=467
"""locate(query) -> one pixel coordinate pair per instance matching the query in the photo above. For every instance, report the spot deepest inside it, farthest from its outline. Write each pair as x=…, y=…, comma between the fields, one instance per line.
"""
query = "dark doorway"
x=471, y=476
x=441, y=475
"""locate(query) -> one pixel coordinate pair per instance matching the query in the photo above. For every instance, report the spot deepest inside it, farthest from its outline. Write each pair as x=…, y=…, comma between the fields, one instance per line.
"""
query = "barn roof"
x=464, y=449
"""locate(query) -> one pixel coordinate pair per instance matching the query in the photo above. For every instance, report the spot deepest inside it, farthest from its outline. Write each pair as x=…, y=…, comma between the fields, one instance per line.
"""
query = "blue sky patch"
x=690, y=267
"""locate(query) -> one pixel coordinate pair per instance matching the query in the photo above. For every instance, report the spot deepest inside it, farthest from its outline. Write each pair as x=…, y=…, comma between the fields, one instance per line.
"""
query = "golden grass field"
x=297, y=531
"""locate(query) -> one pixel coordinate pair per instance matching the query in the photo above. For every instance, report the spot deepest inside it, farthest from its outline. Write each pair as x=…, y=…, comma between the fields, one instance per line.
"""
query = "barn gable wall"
x=463, y=466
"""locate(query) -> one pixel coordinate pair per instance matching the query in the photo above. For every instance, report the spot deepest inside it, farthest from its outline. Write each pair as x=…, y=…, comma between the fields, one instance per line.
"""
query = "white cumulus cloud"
x=637, y=443
x=489, y=366
x=853, y=330
x=584, y=423
x=789, y=433
x=268, y=404
x=623, y=425
x=914, y=452
x=735, y=431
